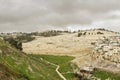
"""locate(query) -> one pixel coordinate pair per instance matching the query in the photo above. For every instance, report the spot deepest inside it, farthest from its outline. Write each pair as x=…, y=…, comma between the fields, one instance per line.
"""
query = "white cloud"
x=114, y=13
x=31, y=15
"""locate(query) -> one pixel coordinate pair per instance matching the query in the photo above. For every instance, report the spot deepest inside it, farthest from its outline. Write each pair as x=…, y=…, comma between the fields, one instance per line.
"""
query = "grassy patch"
x=102, y=74
x=30, y=67
x=62, y=61
x=69, y=76
x=33, y=69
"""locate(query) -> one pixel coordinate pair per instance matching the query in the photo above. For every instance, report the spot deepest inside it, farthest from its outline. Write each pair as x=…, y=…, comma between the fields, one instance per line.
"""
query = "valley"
x=86, y=55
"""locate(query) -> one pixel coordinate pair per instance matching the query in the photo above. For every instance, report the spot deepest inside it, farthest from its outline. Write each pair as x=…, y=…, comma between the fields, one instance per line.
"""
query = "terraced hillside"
x=16, y=65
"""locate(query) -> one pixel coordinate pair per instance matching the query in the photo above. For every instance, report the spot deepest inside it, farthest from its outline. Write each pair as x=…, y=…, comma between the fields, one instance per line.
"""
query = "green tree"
x=14, y=42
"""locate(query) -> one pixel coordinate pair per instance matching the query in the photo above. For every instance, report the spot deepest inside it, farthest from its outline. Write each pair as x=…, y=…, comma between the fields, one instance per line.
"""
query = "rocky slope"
x=107, y=53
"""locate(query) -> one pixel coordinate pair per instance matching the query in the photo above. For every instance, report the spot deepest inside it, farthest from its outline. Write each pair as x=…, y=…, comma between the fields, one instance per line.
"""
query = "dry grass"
x=67, y=44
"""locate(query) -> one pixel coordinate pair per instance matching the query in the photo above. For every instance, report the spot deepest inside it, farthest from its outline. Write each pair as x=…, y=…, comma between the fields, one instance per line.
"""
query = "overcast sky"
x=38, y=15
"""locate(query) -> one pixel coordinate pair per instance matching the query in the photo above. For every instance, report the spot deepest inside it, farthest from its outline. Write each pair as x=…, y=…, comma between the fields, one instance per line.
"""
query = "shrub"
x=14, y=42
x=84, y=33
x=92, y=43
x=79, y=34
x=100, y=33
x=25, y=38
x=50, y=33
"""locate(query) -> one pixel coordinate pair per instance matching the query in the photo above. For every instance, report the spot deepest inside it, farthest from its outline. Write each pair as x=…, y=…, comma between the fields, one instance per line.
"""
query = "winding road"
x=57, y=69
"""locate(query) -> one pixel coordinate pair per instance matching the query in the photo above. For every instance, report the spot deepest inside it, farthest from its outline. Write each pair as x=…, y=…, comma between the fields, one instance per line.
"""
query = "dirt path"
x=83, y=60
x=60, y=73
x=57, y=69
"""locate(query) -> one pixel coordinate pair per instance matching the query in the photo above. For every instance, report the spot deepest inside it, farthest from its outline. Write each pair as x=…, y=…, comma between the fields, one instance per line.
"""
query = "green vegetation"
x=100, y=33
x=14, y=42
x=25, y=38
x=30, y=68
x=50, y=33
x=66, y=67
x=102, y=74
x=20, y=66
x=17, y=65
x=82, y=34
x=79, y=34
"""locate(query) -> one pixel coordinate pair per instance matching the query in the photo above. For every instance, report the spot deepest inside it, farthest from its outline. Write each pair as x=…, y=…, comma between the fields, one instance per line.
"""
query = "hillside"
x=67, y=44
x=63, y=57
x=70, y=44
x=16, y=65
x=87, y=46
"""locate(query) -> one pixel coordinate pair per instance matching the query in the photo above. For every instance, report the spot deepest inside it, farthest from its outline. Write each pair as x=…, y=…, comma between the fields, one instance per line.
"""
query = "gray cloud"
x=32, y=15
